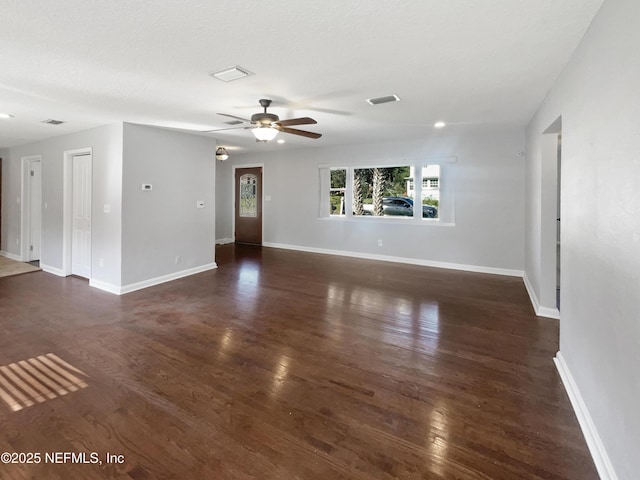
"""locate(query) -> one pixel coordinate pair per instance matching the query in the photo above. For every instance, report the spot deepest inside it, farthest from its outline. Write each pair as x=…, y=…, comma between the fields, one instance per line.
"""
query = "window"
x=428, y=183
x=380, y=191
x=336, y=191
x=248, y=189
x=413, y=193
x=430, y=191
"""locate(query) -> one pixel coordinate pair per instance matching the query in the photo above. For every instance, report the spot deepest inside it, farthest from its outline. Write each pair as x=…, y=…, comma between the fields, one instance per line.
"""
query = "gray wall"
x=489, y=199
x=106, y=144
x=599, y=101
x=161, y=224
x=139, y=239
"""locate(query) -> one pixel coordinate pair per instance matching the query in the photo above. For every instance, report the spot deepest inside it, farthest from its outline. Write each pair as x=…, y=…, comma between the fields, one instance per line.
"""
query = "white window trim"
x=446, y=215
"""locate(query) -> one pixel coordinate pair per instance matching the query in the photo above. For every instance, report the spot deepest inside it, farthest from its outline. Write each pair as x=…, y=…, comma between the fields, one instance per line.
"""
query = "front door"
x=248, y=201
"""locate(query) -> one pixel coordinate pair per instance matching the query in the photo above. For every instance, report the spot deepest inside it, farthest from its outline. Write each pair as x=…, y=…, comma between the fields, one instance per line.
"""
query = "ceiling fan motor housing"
x=264, y=118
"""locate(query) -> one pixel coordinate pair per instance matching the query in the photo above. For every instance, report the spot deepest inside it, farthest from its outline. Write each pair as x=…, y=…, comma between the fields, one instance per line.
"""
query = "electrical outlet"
x=178, y=259
x=102, y=262
x=380, y=242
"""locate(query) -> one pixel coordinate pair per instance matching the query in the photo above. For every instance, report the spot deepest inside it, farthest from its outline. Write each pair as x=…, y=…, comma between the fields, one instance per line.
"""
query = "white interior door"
x=81, y=227
x=35, y=214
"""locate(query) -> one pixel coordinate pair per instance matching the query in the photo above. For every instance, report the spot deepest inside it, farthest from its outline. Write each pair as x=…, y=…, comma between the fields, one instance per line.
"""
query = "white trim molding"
x=53, y=270
x=410, y=261
x=11, y=256
x=132, y=287
x=594, y=442
x=540, y=311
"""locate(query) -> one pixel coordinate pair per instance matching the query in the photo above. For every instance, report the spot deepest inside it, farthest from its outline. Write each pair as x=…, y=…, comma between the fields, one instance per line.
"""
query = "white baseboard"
x=132, y=287
x=11, y=256
x=594, y=442
x=49, y=269
x=224, y=241
x=540, y=311
x=107, y=287
x=410, y=261
x=548, y=312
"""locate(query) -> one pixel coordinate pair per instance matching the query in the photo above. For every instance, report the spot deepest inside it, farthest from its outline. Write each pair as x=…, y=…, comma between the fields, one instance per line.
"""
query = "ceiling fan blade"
x=296, y=121
x=246, y=120
x=302, y=133
x=223, y=129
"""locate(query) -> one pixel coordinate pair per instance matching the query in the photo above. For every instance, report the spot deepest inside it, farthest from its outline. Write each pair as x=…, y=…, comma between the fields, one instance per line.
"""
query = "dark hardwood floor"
x=287, y=365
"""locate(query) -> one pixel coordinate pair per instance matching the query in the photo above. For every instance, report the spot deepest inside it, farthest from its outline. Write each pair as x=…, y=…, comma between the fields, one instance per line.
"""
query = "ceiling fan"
x=265, y=126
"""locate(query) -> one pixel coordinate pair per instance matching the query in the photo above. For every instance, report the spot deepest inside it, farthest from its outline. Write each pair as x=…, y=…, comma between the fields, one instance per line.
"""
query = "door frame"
x=233, y=196
x=551, y=191
x=25, y=205
x=67, y=208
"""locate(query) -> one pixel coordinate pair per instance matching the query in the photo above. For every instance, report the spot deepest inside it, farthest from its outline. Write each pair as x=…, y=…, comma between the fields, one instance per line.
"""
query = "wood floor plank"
x=287, y=365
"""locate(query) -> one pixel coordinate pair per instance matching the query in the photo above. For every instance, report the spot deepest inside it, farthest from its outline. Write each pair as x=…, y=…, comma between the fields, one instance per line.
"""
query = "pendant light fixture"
x=222, y=154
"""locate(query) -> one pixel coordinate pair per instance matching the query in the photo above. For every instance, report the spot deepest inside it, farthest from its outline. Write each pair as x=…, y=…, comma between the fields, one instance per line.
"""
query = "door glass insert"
x=248, y=192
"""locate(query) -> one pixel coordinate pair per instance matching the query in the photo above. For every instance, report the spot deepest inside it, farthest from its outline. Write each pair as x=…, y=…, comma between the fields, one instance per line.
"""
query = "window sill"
x=432, y=222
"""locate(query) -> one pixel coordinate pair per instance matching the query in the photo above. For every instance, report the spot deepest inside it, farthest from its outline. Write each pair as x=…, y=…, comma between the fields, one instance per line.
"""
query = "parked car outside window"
x=402, y=206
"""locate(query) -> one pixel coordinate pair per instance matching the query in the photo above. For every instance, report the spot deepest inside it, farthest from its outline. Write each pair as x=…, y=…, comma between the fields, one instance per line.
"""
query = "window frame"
x=446, y=214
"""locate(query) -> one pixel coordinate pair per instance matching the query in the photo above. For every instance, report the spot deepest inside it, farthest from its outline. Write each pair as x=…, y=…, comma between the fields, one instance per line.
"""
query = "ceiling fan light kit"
x=265, y=126
x=264, y=133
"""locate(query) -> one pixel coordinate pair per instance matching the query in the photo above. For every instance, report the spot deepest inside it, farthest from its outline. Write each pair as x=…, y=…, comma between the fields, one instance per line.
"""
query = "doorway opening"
x=77, y=213
x=31, y=211
x=0, y=201
x=559, y=173
x=550, y=238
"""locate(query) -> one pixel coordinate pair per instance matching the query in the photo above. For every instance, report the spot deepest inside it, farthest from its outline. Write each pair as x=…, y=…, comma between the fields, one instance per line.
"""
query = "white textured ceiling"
x=466, y=62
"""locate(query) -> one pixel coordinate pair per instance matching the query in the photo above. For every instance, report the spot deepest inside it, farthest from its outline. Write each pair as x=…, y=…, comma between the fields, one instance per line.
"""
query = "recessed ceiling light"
x=439, y=124
x=230, y=74
x=6, y=115
x=379, y=100
x=281, y=140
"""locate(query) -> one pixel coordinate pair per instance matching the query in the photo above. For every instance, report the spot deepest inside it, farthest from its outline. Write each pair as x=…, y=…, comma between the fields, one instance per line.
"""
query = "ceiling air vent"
x=53, y=122
x=379, y=100
x=230, y=74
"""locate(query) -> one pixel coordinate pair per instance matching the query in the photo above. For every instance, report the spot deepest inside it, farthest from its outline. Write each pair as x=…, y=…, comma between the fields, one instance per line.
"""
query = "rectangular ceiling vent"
x=379, y=100
x=233, y=122
x=230, y=74
x=53, y=122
